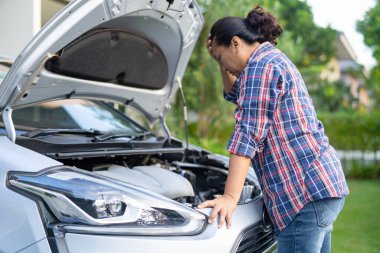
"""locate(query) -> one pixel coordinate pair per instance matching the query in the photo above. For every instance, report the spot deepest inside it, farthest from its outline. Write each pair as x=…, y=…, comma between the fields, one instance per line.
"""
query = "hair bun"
x=264, y=24
x=256, y=17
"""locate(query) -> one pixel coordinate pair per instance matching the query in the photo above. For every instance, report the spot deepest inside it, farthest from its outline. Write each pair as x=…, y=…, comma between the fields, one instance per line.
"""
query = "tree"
x=307, y=45
x=370, y=28
x=315, y=44
x=333, y=97
x=373, y=84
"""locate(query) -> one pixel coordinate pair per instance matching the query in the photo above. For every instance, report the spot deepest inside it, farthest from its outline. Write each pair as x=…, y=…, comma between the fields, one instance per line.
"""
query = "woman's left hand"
x=223, y=205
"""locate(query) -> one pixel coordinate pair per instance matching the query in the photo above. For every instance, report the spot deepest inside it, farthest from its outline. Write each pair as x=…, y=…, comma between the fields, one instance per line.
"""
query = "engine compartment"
x=189, y=178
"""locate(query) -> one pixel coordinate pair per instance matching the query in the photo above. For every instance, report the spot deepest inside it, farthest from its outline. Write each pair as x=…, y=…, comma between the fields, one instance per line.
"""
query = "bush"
x=346, y=131
x=360, y=171
x=352, y=130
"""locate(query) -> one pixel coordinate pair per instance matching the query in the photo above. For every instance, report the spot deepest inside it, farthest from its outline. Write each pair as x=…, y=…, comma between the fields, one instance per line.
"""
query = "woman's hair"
x=259, y=26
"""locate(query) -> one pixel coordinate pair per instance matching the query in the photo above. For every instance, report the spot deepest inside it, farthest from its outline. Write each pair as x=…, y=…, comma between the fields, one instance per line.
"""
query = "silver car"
x=78, y=175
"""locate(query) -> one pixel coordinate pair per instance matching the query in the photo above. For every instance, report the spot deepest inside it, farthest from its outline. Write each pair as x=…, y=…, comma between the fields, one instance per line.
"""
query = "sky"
x=342, y=16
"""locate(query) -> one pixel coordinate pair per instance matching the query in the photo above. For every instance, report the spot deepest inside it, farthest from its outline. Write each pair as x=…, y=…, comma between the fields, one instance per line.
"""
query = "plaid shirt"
x=277, y=127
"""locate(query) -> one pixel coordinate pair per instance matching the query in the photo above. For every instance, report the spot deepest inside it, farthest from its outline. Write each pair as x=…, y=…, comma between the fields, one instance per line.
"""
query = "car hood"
x=129, y=51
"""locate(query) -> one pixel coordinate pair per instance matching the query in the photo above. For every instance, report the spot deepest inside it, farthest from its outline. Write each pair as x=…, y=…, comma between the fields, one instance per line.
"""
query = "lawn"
x=357, y=228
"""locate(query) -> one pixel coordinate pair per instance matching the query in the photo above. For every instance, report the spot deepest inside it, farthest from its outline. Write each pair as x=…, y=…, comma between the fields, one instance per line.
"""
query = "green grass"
x=357, y=228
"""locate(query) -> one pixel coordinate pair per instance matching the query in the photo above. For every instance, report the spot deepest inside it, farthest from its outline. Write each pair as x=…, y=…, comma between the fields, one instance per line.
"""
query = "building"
x=344, y=67
x=19, y=24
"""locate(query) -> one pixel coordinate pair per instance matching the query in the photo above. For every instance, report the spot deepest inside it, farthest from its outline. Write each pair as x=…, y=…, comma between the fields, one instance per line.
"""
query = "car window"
x=141, y=119
x=44, y=116
x=74, y=114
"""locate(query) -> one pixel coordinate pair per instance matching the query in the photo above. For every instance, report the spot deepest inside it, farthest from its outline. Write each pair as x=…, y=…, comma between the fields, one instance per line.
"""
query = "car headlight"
x=85, y=202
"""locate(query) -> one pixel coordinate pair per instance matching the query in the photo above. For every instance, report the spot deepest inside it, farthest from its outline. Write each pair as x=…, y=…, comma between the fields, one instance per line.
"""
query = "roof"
x=344, y=49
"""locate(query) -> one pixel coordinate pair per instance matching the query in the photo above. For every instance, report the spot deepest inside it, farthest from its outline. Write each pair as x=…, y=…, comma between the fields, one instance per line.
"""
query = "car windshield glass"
x=75, y=114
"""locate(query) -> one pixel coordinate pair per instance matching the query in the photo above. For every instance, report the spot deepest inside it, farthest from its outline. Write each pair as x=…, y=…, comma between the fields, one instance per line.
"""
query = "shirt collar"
x=263, y=47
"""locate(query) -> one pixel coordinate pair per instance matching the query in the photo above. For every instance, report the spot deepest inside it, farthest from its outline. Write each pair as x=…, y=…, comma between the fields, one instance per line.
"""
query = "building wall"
x=20, y=20
x=49, y=8
x=331, y=72
x=338, y=68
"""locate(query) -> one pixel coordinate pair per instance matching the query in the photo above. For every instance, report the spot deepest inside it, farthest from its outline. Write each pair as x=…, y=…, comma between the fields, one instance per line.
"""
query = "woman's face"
x=228, y=58
x=234, y=57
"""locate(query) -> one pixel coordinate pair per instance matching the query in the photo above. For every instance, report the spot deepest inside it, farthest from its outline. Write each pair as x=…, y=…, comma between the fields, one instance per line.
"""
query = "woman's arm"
x=226, y=204
x=228, y=79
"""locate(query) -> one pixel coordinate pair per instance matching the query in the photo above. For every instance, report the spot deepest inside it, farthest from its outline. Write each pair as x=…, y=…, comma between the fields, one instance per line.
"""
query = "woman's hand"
x=226, y=203
x=223, y=205
x=227, y=77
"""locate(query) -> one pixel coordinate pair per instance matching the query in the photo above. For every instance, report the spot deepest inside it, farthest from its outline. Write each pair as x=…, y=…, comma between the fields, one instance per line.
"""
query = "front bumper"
x=246, y=217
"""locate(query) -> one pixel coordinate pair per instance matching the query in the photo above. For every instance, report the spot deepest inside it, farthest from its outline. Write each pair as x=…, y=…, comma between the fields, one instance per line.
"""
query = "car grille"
x=256, y=239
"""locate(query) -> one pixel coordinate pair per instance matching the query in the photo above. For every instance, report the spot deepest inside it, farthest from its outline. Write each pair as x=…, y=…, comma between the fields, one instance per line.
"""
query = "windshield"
x=74, y=114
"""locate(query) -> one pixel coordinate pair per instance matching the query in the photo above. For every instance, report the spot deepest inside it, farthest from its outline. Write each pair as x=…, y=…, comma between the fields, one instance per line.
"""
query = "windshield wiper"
x=108, y=136
x=48, y=131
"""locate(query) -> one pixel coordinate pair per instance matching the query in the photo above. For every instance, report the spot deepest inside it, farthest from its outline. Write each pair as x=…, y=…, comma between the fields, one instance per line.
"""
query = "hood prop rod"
x=166, y=129
x=184, y=115
x=8, y=123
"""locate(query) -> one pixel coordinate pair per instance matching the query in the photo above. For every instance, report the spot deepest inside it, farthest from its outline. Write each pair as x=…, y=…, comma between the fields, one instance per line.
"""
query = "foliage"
x=352, y=130
x=332, y=97
x=315, y=44
x=310, y=47
x=306, y=44
x=370, y=28
x=360, y=171
x=346, y=131
x=373, y=84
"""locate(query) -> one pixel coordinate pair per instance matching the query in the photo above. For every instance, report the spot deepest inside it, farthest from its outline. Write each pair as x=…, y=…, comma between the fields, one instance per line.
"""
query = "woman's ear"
x=236, y=43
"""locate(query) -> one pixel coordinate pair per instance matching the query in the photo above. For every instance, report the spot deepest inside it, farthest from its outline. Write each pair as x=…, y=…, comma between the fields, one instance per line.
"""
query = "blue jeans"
x=310, y=231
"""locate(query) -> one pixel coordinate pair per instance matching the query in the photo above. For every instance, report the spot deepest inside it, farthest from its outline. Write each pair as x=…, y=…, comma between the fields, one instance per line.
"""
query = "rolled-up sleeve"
x=256, y=103
x=233, y=94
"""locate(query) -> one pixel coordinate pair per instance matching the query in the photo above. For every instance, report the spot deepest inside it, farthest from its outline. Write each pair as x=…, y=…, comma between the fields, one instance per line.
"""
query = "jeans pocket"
x=327, y=210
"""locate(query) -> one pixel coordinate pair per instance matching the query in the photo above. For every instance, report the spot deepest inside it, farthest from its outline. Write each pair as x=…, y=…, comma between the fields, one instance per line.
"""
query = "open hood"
x=130, y=51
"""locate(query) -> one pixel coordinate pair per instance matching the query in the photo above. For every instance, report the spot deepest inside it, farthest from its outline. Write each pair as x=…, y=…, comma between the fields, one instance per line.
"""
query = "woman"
x=276, y=130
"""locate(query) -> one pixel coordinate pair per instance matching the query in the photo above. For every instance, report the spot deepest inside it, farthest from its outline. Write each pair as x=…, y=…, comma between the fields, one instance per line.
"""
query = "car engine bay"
x=186, y=182
x=186, y=176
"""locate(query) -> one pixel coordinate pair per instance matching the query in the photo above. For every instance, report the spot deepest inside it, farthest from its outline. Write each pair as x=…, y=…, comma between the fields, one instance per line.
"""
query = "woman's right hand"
x=209, y=49
x=227, y=77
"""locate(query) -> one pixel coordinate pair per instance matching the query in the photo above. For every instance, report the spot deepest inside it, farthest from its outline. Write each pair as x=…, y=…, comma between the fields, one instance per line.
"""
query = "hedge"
x=352, y=131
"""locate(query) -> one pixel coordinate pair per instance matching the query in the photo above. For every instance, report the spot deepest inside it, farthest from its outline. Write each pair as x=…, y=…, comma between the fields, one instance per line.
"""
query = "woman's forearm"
x=225, y=204
x=237, y=173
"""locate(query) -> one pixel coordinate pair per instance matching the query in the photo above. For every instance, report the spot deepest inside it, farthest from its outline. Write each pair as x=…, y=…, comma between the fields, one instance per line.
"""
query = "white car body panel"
x=219, y=238
x=29, y=225
x=20, y=223
x=28, y=81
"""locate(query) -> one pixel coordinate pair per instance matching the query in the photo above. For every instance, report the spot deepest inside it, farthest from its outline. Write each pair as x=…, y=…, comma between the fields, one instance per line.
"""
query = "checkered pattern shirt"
x=277, y=127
